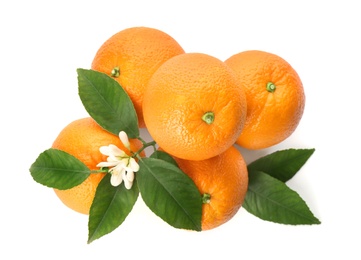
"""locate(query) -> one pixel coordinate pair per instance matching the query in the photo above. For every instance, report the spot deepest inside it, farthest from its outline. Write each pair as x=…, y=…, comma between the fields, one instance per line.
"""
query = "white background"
x=44, y=42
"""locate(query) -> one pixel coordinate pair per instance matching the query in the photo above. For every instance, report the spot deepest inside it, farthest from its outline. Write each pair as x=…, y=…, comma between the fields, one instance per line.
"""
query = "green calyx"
x=271, y=87
x=206, y=198
x=208, y=117
x=115, y=72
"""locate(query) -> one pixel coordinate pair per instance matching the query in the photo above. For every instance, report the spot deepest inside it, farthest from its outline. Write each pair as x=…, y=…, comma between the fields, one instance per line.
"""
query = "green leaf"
x=163, y=156
x=170, y=193
x=271, y=200
x=110, y=207
x=282, y=165
x=107, y=102
x=58, y=169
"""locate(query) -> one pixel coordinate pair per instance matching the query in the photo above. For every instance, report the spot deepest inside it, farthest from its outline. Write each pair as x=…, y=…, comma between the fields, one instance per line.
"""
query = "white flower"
x=121, y=166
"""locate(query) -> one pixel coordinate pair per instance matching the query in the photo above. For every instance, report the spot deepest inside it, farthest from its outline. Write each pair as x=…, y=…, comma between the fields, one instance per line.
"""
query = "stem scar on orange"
x=194, y=107
x=275, y=98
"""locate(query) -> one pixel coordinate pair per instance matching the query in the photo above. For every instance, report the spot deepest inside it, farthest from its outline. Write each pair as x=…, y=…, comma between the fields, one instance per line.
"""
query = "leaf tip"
x=316, y=221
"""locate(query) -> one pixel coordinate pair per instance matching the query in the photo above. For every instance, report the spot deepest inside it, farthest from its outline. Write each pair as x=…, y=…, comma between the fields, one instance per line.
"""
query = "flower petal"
x=116, y=178
x=130, y=176
x=128, y=184
x=105, y=150
x=115, y=151
x=124, y=138
x=107, y=164
x=112, y=158
x=133, y=165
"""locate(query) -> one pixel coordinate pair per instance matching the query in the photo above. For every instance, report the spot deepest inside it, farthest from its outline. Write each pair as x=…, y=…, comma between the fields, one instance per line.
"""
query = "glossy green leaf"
x=107, y=102
x=163, y=156
x=110, y=207
x=58, y=169
x=282, y=165
x=270, y=199
x=170, y=193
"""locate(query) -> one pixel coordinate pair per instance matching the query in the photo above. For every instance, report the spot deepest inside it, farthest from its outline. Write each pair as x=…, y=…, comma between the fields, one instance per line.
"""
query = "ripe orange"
x=82, y=138
x=275, y=98
x=131, y=56
x=194, y=107
x=223, y=182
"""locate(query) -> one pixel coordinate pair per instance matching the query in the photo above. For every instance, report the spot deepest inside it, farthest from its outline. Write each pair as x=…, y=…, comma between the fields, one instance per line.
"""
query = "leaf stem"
x=145, y=145
x=142, y=140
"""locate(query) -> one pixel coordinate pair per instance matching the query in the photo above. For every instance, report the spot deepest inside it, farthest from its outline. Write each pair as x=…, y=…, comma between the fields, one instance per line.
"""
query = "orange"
x=223, y=181
x=131, y=56
x=275, y=98
x=82, y=138
x=194, y=107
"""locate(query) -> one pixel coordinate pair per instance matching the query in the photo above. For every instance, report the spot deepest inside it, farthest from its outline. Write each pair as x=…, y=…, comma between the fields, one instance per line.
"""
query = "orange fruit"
x=223, y=182
x=275, y=98
x=194, y=107
x=131, y=56
x=82, y=138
